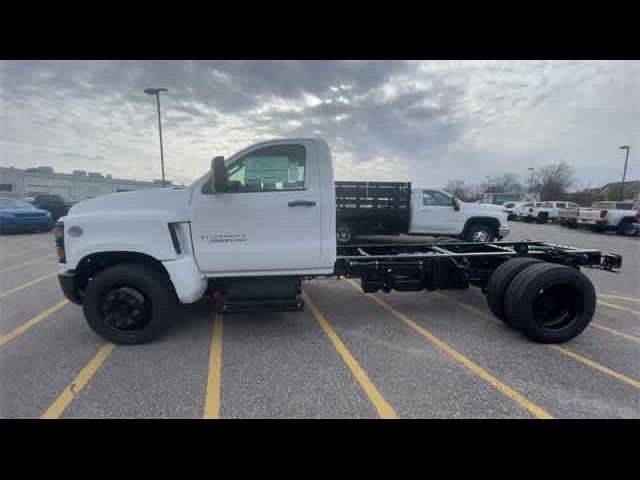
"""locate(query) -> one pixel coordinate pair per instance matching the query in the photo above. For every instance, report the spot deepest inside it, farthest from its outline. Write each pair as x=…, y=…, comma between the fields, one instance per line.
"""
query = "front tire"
x=550, y=303
x=480, y=233
x=130, y=303
x=344, y=234
x=542, y=218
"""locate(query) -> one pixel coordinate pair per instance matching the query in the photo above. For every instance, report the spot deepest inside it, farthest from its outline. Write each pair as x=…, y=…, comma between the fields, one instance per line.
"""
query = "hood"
x=13, y=210
x=485, y=207
x=174, y=199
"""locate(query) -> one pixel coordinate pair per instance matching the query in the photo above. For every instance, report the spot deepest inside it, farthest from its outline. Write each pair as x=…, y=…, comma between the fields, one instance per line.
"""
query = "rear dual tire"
x=548, y=302
x=500, y=280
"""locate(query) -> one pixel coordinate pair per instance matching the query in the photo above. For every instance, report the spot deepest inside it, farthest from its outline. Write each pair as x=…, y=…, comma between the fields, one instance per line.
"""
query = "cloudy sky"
x=424, y=121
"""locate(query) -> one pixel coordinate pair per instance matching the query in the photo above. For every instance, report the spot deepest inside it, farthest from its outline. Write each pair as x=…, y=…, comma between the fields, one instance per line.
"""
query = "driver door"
x=433, y=213
x=269, y=220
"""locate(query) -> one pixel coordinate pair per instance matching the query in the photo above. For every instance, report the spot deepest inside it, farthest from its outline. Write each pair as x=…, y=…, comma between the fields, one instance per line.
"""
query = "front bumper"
x=503, y=232
x=67, y=281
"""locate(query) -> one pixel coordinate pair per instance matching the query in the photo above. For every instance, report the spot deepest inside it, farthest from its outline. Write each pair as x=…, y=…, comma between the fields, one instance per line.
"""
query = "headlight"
x=6, y=215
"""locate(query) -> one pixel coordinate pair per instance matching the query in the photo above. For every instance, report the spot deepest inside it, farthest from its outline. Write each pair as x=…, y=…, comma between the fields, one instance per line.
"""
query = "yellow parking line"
x=619, y=297
x=618, y=307
x=505, y=389
x=573, y=355
x=212, y=400
x=25, y=285
x=26, y=326
x=384, y=409
x=26, y=263
x=597, y=366
x=58, y=407
x=613, y=331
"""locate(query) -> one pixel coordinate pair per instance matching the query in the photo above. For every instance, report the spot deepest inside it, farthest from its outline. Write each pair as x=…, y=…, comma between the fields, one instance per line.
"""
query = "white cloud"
x=425, y=121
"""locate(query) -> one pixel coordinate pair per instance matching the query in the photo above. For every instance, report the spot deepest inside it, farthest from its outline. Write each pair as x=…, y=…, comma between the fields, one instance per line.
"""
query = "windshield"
x=13, y=202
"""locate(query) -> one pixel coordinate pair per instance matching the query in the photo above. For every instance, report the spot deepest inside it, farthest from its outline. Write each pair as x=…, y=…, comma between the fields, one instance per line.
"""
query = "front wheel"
x=344, y=234
x=480, y=233
x=130, y=303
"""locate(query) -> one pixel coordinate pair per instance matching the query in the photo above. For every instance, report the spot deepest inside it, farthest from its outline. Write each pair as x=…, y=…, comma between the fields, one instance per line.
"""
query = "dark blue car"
x=18, y=215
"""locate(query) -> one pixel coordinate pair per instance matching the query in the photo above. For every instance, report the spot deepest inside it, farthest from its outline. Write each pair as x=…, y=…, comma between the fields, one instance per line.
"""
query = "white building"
x=73, y=187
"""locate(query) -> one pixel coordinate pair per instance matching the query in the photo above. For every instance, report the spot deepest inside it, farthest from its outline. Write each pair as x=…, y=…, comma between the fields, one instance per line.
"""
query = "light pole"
x=624, y=173
x=156, y=92
x=531, y=181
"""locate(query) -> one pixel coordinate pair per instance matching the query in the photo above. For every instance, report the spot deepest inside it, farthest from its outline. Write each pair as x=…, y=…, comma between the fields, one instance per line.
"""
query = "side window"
x=561, y=205
x=573, y=205
x=431, y=197
x=273, y=168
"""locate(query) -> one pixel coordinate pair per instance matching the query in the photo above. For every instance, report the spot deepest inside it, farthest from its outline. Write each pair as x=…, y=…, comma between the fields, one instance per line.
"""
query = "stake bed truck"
x=250, y=230
x=391, y=208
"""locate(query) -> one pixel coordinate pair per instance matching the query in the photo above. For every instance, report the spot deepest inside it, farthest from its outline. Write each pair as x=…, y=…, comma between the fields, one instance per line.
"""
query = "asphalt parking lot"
x=348, y=355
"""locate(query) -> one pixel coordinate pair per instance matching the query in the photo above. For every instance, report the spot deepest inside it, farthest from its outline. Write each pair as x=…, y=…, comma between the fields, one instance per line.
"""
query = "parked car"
x=604, y=216
x=524, y=211
x=53, y=204
x=550, y=210
x=18, y=215
x=511, y=208
x=568, y=214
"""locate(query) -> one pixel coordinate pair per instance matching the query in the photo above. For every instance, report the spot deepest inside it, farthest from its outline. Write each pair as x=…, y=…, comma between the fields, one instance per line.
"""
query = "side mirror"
x=219, y=175
x=455, y=203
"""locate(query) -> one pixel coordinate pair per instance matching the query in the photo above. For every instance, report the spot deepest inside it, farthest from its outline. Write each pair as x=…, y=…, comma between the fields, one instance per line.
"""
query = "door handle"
x=302, y=203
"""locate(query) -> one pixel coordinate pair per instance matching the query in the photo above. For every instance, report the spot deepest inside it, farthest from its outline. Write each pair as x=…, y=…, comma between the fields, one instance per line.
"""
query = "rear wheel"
x=344, y=233
x=130, y=303
x=550, y=303
x=479, y=232
x=500, y=280
x=542, y=218
x=626, y=228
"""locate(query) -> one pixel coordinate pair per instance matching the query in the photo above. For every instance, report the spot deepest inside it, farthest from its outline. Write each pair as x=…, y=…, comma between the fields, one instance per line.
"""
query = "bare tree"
x=456, y=187
x=552, y=181
x=506, y=183
x=466, y=193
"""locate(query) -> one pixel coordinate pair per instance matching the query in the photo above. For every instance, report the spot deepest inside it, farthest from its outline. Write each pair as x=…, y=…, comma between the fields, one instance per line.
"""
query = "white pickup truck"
x=255, y=225
x=542, y=212
x=622, y=217
x=391, y=208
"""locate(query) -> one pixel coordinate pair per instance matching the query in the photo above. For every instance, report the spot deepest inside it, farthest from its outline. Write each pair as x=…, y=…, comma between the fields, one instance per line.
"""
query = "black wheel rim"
x=344, y=235
x=480, y=236
x=125, y=309
x=557, y=306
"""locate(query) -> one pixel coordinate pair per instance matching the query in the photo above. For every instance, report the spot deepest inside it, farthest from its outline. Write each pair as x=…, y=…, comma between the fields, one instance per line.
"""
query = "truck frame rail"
x=406, y=267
